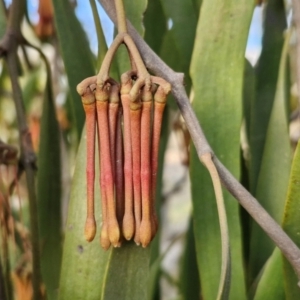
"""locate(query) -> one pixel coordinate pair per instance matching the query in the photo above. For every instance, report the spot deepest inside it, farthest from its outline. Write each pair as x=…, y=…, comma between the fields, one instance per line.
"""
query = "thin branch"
x=158, y=67
x=8, y=48
x=28, y=161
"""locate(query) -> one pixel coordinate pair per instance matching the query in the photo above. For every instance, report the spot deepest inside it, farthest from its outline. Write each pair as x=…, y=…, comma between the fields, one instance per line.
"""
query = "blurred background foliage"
x=241, y=78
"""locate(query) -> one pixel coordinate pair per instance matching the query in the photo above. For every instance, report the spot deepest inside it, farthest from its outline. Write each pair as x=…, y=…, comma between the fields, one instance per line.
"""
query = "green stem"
x=134, y=52
x=122, y=26
x=103, y=74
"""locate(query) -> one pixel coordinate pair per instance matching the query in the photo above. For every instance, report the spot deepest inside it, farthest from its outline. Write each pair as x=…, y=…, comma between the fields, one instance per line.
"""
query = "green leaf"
x=127, y=273
x=170, y=55
x=49, y=193
x=266, y=79
x=2, y=20
x=75, y=52
x=135, y=13
x=155, y=268
x=217, y=71
x=290, y=225
x=248, y=98
x=197, y=5
x=102, y=47
x=155, y=25
x=84, y=265
x=270, y=285
x=182, y=15
x=31, y=89
x=275, y=169
x=189, y=275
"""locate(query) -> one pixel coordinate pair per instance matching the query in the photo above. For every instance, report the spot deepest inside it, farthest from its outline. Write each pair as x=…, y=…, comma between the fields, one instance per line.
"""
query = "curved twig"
x=224, y=285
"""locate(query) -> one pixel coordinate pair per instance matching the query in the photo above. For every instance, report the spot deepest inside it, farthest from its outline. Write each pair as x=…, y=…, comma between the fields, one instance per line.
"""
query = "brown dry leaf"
x=45, y=26
x=34, y=128
x=23, y=286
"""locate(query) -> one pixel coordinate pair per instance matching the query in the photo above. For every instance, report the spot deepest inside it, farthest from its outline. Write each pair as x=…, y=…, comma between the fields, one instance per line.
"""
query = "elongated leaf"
x=170, y=55
x=182, y=15
x=217, y=72
x=155, y=25
x=76, y=54
x=248, y=96
x=84, y=265
x=49, y=194
x=266, y=79
x=127, y=273
x=291, y=225
x=197, y=5
x=135, y=13
x=102, y=47
x=2, y=21
x=271, y=282
x=274, y=174
x=189, y=275
x=155, y=269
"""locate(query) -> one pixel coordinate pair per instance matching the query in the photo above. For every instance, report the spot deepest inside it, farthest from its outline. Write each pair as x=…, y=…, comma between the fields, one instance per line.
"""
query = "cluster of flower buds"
x=127, y=119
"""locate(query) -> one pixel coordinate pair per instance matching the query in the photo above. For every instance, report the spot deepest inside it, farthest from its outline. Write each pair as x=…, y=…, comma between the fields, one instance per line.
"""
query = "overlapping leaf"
x=217, y=71
x=266, y=79
x=49, y=194
x=275, y=168
x=270, y=285
x=75, y=52
x=291, y=225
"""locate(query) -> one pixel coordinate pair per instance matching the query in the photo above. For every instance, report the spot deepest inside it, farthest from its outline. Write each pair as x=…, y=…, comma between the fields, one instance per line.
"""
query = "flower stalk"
x=88, y=101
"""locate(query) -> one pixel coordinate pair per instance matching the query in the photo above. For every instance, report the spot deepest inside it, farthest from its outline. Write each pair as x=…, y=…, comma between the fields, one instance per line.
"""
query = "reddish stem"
x=135, y=116
x=145, y=228
x=112, y=116
x=159, y=107
x=89, y=106
x=128, y=220
x=104, y=239
x=119, y=169
x=103, y=129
